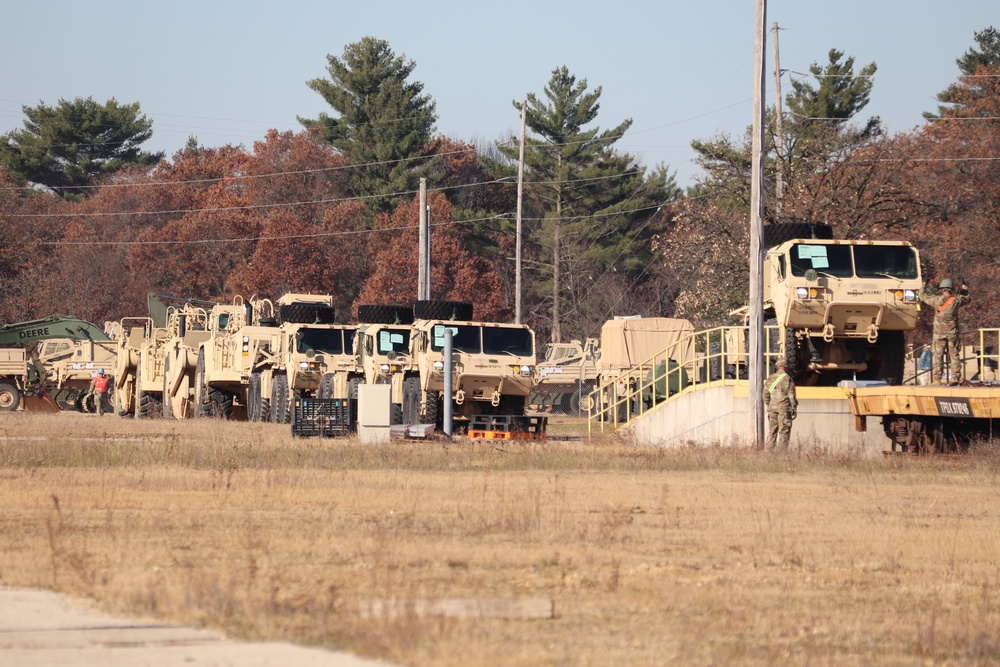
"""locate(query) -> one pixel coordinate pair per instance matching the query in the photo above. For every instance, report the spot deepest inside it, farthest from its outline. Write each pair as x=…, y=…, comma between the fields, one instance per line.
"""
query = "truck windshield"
x=832, y=260
x=394, y=340
x=500, y=340
x=463, y=338
x=326, y=341
x=883, y=261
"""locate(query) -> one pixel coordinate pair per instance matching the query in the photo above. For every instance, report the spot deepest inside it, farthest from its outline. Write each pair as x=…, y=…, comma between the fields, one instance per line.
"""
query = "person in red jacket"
x=100, y=391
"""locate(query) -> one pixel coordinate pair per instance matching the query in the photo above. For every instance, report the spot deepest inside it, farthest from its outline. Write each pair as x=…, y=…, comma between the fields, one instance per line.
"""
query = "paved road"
x=42, y=629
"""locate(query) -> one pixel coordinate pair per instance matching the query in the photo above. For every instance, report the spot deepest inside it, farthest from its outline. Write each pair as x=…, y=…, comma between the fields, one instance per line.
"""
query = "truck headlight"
x=909, y=296
x=802, y=292
x=304, y=365
x=439, y=365
x=384, y=368
x=526, y=370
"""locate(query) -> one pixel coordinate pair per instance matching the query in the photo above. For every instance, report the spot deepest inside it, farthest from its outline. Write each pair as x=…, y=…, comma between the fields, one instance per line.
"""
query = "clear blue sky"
x=226, y=72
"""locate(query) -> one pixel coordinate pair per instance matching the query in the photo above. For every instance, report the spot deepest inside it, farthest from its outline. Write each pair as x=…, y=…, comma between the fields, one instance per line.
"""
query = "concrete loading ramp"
x=717, y=414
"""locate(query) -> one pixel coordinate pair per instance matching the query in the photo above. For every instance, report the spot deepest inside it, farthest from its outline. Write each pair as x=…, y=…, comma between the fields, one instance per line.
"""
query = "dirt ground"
x=648, y=556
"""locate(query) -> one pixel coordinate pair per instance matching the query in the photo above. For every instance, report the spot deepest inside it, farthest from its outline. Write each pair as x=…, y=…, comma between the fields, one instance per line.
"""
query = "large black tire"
x=779, y=232
x=146, y=405
x=891, y=357
x=168, y=406
x=431, y=411
x=411, y=400
x=443, y=310
x=306, y=313
x=201, y=401
x=10, y=397
x=279, y=399
x=384, y=314
x=395, y=414
x=325, y=386
x=220, y=403
x=255, y=400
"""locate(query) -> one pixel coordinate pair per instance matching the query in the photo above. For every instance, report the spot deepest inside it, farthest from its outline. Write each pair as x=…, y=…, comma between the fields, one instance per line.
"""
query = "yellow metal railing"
x=719, y=357
x=715, y=356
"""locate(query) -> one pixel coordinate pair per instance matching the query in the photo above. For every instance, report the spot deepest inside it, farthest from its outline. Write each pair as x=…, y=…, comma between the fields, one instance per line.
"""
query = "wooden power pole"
x=423, y=249
x=779, y=142
x=756, y=348
x=520, y=196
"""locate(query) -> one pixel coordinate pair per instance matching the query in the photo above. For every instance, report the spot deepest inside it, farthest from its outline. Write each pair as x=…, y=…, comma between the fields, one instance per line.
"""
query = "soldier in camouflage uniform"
x=781, y=404
x=945, y=304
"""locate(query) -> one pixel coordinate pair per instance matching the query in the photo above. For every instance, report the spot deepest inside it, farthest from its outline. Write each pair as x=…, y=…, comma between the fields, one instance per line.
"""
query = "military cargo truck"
x=493, y=365
x=842, y=307
x=568, y=373
x=630, y=349
x=383, y=349
x=310, y=356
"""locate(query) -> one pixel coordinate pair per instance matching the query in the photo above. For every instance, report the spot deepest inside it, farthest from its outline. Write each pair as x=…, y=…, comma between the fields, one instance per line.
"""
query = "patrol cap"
x=101, y=371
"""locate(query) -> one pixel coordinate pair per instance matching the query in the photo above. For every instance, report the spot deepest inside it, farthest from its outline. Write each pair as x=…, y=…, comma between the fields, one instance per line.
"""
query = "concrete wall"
x=718, y=415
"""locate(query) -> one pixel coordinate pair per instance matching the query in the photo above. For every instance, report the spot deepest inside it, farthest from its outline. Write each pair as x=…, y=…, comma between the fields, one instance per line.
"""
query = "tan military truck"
x=241, y=335
x=150, y=358
x=631, y=348
x=568, y=373
x=214, y=328
x=311, y=356
x=383, y=349
x=493, y=365
x=842, y=307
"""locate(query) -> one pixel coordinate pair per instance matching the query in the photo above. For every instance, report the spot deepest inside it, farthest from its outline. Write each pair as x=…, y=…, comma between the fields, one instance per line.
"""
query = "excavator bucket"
x=42, y=403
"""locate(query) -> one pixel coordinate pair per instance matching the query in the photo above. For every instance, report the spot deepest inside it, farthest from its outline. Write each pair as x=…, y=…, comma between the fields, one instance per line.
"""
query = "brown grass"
x=652, y=556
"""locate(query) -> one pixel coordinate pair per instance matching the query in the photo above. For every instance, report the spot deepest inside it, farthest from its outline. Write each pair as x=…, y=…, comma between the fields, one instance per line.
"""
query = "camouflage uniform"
x=945, y=337
x=101, y=383
x=781, y=403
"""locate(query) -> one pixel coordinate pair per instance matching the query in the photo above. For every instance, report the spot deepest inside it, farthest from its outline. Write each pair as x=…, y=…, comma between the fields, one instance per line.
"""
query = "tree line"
x=91, y=223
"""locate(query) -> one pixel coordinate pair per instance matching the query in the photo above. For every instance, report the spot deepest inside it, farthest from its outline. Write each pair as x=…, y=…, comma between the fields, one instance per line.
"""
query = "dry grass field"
x=651, y=557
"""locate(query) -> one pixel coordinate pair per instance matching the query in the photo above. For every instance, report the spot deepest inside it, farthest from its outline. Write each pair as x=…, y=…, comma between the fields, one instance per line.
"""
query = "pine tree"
x=384, y=124
x=973, y=64
x=592, y=201
x=70, y=145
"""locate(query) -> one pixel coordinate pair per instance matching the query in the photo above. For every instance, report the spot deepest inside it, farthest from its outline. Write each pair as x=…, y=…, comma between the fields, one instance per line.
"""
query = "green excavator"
x=48, y=362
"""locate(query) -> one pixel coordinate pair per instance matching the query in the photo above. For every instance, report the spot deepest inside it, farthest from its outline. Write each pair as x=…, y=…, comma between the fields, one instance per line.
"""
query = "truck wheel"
x=201, y=407
x=146, y=406
x=306, y=313
x=279, y=399
x=220, y=403
x=411, y=400
x=325, y=386
x=168, y=405
x=430, y=413
x=891, y=357
x=778, y=232
x=254, y=398
x=383, y=314
x=443, y=310
x=10, y=397
x=395, y=414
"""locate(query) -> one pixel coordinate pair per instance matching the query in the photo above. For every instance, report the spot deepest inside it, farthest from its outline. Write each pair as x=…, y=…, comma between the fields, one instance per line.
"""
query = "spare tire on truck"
x=778, y=232
x=443, y=310
x=306, y=313
x=385, y=314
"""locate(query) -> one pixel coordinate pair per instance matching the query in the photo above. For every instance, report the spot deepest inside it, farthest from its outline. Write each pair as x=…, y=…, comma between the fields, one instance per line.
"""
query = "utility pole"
x=755, y=347
x=779, y=143
x=423, y=244
x=520, y=196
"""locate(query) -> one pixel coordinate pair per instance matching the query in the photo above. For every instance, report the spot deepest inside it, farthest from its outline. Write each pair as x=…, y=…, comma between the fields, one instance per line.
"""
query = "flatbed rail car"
x=929, y=418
